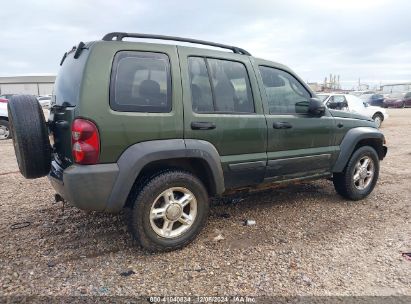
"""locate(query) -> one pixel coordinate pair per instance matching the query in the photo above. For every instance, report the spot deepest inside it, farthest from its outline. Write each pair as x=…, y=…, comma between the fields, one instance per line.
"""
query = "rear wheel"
x=359, y=176
x=30, y=136
x=169, y=212
x=4, y=129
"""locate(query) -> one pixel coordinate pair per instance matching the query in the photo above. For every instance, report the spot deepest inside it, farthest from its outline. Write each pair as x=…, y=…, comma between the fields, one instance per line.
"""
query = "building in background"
x=331, y=84
x=396, y=88
x=32, y=85
x=315, y=86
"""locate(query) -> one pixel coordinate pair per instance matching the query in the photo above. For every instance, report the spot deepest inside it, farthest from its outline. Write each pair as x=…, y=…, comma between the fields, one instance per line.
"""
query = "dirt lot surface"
x=307, y=240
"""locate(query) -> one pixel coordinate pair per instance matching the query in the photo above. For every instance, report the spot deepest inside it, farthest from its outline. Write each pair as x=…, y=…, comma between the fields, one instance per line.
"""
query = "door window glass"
x=201, y=95
x=232, y=90
x=220, y=86
x=285, y=94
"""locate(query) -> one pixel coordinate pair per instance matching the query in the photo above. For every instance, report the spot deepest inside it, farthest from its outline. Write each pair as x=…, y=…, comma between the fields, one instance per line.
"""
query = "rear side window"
x=219, y=86
x=141, y=82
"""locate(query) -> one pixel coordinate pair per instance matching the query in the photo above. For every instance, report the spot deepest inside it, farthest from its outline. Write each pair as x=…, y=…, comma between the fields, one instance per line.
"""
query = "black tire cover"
x=30, y=136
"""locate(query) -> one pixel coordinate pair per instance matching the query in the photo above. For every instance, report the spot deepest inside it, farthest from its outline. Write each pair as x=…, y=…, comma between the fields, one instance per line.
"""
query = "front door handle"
x=282, y=125
x=202, y=125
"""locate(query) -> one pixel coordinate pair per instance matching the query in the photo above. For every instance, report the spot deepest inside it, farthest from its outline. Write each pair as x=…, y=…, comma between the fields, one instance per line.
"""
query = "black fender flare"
x=350, y=141
x=137, y=156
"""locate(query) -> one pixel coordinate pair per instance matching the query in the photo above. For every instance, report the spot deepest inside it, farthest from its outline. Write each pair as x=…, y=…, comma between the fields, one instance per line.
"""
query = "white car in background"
x=44, y=101
x=351, y=103
x=4, y=122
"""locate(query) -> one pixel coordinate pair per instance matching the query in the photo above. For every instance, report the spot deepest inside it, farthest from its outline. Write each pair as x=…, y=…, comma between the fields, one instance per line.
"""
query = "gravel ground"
x=307, y=240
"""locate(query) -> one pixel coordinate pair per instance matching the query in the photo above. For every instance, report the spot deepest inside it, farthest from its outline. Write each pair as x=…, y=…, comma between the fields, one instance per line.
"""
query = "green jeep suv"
x=161, y=128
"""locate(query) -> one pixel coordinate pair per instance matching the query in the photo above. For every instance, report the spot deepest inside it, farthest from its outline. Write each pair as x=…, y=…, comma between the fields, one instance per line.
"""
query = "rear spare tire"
x=30, y=136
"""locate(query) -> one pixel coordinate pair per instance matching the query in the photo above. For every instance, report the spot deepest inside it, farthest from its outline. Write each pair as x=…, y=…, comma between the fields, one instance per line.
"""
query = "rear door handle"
x=202, y=125
x=282, y=125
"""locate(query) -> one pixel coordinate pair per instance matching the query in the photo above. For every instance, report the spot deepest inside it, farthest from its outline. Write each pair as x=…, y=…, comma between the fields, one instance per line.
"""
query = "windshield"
x=355, y=103
x=322, y=97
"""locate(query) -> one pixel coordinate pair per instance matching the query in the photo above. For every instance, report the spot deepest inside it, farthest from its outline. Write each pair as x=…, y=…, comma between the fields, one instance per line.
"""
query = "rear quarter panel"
x=119, y=130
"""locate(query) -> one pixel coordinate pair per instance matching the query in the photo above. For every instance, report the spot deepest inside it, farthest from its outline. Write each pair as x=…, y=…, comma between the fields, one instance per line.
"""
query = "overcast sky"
x=370, y=40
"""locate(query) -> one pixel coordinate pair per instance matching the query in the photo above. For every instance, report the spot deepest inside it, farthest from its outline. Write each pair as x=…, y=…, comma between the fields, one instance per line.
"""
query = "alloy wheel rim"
x=4, y=132
x=363, y=173
x=173, y=212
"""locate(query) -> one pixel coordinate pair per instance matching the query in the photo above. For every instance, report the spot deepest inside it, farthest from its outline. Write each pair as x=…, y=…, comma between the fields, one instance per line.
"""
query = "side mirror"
x=316, y=107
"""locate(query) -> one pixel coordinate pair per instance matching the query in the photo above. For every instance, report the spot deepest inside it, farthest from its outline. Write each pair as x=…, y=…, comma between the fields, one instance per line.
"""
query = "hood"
x=375, y=109
x=345, y=114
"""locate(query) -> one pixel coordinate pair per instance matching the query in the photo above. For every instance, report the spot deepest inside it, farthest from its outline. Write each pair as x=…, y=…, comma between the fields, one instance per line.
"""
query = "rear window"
x=68, y=80
x=141, y=82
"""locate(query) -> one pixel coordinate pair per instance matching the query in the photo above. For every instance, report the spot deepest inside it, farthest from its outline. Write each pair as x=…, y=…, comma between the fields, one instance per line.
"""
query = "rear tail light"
x=4, y=100
x=85, y=142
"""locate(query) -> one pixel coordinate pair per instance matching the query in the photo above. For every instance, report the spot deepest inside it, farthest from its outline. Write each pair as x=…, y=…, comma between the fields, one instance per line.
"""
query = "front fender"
x=350, y=141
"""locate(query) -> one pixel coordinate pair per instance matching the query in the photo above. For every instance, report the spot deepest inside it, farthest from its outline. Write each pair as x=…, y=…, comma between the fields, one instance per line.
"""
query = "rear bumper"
x=85, y=187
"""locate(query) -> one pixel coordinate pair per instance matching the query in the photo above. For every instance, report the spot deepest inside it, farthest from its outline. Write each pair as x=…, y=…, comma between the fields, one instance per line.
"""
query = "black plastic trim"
x=85, y=187
x=119, y=36
x=298, y=165
x=350, y=141
x=247, y=165
x=133, y=160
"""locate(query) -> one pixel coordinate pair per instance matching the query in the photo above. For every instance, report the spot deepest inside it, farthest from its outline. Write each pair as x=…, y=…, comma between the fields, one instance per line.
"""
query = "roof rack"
x=119, y=36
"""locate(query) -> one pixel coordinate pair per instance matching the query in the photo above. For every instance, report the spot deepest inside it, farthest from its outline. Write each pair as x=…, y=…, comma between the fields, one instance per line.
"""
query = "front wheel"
x=359, y=176
x=378, y=118
x=169, y=211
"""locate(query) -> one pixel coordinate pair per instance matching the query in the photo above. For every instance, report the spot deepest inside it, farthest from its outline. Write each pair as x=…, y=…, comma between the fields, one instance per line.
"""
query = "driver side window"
x=285, y=94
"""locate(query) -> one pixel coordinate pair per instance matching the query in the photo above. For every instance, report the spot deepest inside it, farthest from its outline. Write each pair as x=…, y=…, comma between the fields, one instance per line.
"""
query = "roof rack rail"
x=119, y=36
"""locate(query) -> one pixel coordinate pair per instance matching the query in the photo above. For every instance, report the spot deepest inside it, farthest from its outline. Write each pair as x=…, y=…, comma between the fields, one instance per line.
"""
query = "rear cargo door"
x=65, y=98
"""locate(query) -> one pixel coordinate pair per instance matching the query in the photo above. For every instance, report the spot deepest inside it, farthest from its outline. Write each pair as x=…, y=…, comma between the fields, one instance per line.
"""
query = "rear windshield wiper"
x=78, y=49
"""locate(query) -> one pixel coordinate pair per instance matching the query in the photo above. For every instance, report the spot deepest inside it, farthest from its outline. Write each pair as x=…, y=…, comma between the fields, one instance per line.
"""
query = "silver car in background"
x=351, y=103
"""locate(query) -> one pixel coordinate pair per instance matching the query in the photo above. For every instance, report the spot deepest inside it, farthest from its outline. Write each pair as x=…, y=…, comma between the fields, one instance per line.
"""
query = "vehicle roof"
x=119, y=36
x=207, y=50
x=213, y=51
x=206, y=45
